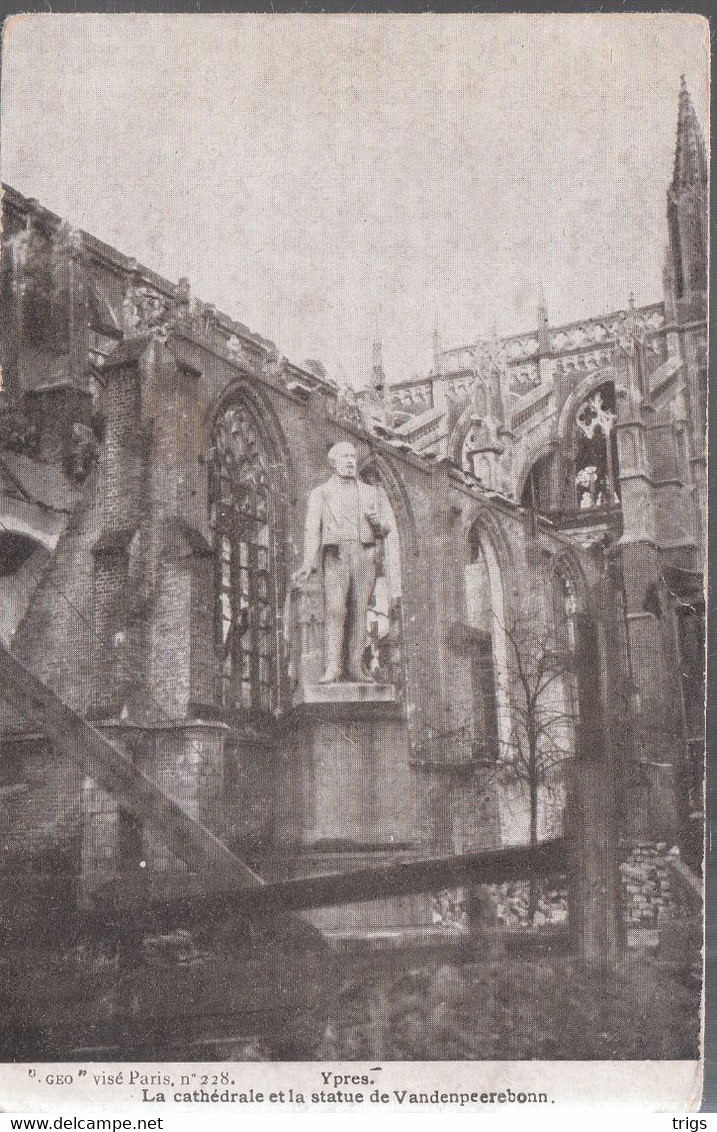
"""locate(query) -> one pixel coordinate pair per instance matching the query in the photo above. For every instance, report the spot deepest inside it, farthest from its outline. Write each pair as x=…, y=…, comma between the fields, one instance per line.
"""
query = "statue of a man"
x=346, y=521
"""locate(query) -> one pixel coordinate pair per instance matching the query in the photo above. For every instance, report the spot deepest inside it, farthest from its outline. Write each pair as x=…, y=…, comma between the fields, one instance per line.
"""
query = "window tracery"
x=384, y=650
x=243, y=523
x=485, y=619
x=596, y=462
x=565, y=609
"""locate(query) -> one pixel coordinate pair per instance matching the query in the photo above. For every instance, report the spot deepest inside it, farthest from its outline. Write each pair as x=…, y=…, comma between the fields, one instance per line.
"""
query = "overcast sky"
x=305, y=172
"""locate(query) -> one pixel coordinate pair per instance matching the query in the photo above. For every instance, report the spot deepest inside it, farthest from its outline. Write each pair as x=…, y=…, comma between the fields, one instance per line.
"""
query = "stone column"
x=123, y=478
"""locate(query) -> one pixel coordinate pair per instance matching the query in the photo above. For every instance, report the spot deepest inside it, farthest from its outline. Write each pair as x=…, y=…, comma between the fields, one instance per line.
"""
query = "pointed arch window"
x=486, y=621
x=565, y=609
x=537, y=489
x=384, y=650
x=244, y=529
x=596, y=460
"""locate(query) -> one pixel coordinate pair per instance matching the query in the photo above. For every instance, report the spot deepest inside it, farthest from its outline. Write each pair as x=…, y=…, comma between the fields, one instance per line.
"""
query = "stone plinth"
x=345, y=773
x=345, y=693
x=345, y=799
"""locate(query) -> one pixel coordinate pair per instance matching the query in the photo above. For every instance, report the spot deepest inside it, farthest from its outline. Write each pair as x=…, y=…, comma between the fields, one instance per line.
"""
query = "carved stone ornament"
x=275, y=365
x=490, y=369
x=238, y=352
x=347, y=407
x=632, y=330
x=146, y=312
x=593, y=416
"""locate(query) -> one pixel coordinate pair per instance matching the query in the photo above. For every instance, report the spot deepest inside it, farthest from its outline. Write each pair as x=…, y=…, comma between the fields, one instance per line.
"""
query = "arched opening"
x=22, y=559
x=478, y=452
x=384, y=621
x=485, y=616
x=597, y=484
x=565, y=609
x=248, y=589
x=537, y=489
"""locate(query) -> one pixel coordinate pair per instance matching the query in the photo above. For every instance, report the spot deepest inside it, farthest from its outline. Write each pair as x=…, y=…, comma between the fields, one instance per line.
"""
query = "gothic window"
x=243, y=521
x=565, y=609
x=384, y=652
x=596, y=463
x=486, y=630
x=536, y=491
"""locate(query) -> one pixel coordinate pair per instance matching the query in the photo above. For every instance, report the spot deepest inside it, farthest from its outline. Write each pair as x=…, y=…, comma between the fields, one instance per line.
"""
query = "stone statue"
x=346, y=523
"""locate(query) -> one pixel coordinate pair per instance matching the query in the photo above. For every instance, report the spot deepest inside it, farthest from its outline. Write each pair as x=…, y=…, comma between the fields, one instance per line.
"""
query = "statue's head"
x=342, y=457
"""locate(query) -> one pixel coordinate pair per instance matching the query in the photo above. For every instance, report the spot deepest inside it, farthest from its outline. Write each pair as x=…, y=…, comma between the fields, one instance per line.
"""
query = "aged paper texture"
x=352, y=550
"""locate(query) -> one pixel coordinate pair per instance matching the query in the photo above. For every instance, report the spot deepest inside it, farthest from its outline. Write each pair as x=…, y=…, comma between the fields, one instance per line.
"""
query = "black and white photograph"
x=353, y=517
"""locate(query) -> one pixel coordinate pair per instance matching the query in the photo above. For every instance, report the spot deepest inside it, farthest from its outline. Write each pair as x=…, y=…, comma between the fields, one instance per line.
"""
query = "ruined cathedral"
x=506, y=577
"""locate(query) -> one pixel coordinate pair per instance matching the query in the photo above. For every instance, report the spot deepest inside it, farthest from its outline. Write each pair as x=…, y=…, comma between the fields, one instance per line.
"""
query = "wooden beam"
x=191, y=902
x=78, y=741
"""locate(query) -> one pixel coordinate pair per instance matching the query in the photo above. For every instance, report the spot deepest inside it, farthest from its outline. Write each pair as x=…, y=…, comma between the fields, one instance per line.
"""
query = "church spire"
x=543, y=322
x=436, y=350
x=690, y=167
x=686, y=259
x=378, y=375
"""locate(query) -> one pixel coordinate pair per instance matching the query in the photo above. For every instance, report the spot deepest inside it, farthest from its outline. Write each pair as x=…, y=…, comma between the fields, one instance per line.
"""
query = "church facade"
x=541, y=574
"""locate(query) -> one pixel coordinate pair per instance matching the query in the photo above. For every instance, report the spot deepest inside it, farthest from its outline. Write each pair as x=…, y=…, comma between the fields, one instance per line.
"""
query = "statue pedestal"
x=345, y=694
x=345, y=798
x=346, y=770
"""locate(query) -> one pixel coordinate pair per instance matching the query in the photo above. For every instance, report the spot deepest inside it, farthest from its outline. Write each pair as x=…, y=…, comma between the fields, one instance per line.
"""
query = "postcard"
x=352, y=561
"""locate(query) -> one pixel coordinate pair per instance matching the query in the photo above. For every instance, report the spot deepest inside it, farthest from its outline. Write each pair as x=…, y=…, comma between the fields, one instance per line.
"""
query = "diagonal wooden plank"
x=488, y=866
x=164, y=903
x=72, y=736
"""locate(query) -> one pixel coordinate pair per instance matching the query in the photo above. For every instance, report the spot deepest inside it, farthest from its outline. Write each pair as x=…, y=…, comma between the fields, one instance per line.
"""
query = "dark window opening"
x=691, y=639
x=564, y=616
x=691, y=648
x=243, y=524
x=481, y=620
x=485, y=705
x=536, y=491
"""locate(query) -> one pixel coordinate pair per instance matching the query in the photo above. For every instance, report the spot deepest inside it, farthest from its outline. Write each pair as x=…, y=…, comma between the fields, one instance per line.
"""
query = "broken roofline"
x=109, y=256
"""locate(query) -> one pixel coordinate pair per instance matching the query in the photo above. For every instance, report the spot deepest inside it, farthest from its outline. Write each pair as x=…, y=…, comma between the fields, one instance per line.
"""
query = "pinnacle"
x=690, y=160
x=542, y=304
